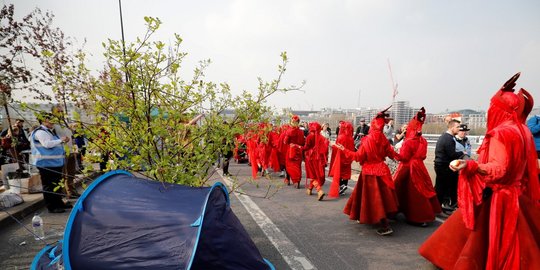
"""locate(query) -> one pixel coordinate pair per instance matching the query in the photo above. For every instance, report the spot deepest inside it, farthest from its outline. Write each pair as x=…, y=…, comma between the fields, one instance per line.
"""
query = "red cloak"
x=497, y=224
x=373, y=197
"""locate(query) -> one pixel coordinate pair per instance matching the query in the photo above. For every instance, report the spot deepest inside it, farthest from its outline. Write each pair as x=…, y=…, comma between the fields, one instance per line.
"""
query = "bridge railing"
x=475, y=140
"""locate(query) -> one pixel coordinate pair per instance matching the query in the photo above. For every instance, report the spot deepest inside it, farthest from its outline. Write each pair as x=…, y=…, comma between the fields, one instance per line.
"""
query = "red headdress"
x=509, y=106
x=347, y=128
x=415, y=125
x=377, y=124
x=506, y=106
x=314, y=127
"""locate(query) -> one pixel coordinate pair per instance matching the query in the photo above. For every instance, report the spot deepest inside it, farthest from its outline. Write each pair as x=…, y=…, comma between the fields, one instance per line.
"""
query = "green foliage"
x=143, y=107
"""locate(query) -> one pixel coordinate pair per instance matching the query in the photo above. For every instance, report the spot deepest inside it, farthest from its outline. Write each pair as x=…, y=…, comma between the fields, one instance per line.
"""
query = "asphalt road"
x=291, y=229
x=320, y=233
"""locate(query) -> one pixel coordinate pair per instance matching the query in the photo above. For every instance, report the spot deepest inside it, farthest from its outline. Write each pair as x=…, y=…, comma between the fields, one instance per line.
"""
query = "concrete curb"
x=32, y=202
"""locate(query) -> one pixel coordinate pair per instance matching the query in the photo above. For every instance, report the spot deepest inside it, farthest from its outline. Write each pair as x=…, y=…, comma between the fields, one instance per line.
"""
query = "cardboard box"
x=34, y=184
x=18, y=185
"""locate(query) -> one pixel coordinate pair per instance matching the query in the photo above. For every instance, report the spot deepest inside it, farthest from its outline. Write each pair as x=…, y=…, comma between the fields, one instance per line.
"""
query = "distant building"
x=478, y=120
x=401, y=112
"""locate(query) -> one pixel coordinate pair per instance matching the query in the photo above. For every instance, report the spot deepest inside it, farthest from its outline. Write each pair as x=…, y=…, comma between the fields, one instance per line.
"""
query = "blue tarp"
x=125, y=222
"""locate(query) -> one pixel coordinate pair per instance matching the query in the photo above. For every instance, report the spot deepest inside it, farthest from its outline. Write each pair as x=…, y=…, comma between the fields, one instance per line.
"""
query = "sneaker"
x=282, y=174
x=342, y=189
x=442, y=215
x=385, y=231
x=447, y=212
x=448, y=208
x=418, y=224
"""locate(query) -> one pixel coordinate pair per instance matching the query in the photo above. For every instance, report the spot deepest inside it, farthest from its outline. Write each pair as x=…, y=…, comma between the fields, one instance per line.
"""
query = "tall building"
x=401, y=112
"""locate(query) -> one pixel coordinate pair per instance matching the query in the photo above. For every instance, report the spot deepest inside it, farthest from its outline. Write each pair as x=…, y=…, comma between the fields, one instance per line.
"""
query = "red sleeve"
x=286, y=138
x=301, y=138
x=310, y=142
x=407, y=151
x=359, y=155
x=495, y=168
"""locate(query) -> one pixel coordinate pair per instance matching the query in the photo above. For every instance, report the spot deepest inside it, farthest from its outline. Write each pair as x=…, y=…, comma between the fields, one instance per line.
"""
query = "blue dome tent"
x=125, y=222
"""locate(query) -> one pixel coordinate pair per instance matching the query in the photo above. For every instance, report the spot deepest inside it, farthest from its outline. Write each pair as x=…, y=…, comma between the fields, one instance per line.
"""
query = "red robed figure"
x=414, y=188
x=497, y=225
x=340, y=164
x=373, y=197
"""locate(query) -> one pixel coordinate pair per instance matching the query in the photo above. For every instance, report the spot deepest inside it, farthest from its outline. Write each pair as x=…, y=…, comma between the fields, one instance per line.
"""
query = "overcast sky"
x=444, y=54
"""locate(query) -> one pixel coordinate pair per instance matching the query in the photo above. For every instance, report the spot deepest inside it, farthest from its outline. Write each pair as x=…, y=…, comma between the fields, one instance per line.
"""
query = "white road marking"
x=288, y=250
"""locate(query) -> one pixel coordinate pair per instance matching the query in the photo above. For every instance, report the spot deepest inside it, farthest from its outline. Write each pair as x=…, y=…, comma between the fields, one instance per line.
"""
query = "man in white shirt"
x=48, y=156
x=388, y=131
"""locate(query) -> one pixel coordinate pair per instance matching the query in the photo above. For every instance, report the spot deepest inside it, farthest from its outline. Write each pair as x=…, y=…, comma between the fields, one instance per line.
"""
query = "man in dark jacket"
x=446, y=180
x=362, y=130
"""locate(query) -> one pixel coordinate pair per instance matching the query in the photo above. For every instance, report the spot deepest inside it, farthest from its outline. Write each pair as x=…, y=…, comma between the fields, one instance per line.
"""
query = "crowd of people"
x=492, y=203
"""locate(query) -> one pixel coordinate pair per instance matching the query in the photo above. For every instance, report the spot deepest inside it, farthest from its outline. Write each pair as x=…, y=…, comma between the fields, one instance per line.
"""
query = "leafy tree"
x=35, y=57
x=141, y=105
x=144, y=110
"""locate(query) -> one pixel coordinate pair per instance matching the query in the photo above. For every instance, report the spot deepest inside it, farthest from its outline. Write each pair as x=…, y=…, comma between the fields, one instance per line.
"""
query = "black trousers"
x=227, y=157
x=50, y=179
x=446, y=183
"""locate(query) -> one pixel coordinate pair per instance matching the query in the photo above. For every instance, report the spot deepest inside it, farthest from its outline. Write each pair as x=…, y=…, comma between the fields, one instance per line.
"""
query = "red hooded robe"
x=374, y=197
x=314, y=149
x=497, y=224
x=340, y=164
x=414, y=188
x=294, y=139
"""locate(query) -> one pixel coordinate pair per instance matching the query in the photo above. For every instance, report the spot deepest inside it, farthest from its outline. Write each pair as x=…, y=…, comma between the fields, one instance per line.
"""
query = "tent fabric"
x=125, y=222
x=48, y=257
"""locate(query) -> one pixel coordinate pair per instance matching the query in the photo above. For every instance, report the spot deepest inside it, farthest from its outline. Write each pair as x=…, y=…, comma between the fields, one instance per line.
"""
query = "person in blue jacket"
x=47, y=154
x=534, y=125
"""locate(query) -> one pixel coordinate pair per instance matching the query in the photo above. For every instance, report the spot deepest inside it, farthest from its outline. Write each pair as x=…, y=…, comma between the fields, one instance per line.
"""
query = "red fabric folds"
x=373, y=197
x=371, y=200
x=340, y=164
x=335, y=172
x=294, y=139
x=315, y=150
x=414, y=188
x=498, y=195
